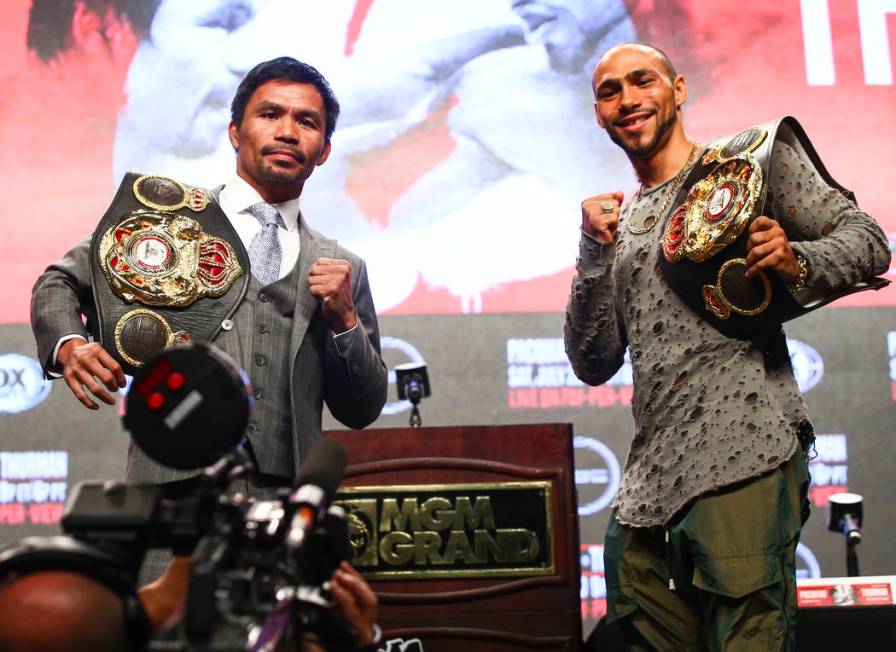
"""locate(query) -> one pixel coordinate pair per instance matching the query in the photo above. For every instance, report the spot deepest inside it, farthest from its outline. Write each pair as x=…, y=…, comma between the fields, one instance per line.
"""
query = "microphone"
x=852, y=528
x=844, y=515
x=317, y=481
x=414, y=389
x=412, y=382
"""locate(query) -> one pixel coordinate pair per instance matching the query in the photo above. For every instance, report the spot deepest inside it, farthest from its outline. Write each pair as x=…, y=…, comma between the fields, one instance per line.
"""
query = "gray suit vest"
x=259, y=342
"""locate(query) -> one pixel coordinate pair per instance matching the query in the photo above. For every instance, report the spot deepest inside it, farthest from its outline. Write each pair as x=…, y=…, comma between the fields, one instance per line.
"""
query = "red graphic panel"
x=463, y=148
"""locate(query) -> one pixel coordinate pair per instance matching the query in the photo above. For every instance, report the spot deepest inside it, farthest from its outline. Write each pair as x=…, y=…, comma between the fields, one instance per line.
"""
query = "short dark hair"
x=289, y=70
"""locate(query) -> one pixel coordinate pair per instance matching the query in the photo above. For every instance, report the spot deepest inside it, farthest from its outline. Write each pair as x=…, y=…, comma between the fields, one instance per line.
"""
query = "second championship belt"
x=704, y=242
x=166, y=267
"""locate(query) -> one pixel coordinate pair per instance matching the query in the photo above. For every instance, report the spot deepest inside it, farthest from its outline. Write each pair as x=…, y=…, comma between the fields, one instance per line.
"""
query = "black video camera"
x=259, y=568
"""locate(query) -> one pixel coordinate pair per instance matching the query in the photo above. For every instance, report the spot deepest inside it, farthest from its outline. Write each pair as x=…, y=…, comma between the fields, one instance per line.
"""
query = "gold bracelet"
x=800, y=281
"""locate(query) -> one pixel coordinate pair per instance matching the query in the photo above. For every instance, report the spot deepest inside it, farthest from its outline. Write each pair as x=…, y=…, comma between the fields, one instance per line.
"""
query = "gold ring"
x=607, y=206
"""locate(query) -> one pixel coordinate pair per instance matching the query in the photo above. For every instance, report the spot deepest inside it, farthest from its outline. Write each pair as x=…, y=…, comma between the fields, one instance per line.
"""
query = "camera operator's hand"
x=163, y=599
x=355, y=601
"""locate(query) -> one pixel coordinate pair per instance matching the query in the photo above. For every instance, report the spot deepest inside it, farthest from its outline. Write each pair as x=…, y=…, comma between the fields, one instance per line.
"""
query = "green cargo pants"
x=730, y=558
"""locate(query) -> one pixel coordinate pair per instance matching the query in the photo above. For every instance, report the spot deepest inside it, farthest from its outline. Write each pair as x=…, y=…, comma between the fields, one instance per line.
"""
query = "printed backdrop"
x=466, y=142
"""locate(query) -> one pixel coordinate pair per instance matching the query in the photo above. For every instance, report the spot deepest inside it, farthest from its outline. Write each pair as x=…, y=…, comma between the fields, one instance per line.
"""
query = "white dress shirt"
x=236, y=198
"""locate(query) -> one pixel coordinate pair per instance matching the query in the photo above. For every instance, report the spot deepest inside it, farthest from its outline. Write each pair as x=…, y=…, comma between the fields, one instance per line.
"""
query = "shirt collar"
x=240, y=195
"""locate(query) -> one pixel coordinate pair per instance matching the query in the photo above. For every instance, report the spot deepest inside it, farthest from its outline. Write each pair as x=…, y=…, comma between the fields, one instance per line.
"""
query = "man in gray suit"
x=305, y=329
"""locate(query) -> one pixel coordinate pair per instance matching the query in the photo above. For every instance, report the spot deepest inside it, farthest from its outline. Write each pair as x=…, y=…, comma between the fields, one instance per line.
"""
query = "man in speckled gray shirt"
x=700, y=549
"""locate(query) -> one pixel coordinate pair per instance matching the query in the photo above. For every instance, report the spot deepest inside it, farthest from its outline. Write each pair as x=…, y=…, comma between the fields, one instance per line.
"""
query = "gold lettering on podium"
x=423, y=531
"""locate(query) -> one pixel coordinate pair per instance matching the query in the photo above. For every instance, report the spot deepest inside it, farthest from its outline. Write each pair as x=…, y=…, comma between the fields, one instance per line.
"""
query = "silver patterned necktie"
x=265, y=253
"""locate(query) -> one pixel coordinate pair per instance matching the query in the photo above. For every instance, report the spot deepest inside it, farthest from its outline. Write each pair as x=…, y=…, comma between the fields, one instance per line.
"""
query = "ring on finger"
x=607, y=206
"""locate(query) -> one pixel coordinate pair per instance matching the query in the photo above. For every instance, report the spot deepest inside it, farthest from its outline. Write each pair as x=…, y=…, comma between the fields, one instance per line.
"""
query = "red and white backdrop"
x=466, y=142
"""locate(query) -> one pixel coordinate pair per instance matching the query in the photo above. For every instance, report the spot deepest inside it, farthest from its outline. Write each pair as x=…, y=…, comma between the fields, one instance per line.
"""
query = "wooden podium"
x=467, y=534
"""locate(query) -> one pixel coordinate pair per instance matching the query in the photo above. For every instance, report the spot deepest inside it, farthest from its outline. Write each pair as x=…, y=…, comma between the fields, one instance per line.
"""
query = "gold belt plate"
x=164, y=259
x=717, y=210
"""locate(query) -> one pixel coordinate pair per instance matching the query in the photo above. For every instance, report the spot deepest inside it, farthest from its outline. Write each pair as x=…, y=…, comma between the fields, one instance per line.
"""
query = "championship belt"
x=704, y=242
x=164, y=265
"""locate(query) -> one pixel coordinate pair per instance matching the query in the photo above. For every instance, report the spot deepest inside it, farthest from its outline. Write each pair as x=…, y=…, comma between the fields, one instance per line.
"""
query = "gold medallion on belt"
x=734, y=292
x=164, y=194
x=142, y=333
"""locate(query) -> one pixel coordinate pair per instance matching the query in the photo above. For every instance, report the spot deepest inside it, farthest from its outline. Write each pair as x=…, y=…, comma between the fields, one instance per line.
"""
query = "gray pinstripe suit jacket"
x=352, y=384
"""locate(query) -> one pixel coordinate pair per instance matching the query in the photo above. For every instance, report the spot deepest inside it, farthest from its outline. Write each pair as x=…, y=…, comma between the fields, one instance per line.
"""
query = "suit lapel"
x=312, y=247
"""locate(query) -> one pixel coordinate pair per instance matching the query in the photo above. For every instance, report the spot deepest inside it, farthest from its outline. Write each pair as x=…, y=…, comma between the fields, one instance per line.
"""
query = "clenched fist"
x=600, y=216
x=330, y=282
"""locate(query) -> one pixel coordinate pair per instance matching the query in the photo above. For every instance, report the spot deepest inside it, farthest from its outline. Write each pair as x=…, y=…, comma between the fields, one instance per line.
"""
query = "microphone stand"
x=853, y=538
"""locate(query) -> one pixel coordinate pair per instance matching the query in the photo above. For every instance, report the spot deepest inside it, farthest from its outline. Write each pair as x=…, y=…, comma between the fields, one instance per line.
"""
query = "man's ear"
x=680, y=86
x=92, y=32
x=233, y=133
x=324, y=154
x=87, y=29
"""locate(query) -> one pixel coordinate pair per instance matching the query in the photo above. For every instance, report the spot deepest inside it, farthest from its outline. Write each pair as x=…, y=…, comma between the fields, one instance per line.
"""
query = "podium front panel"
x=467, y=534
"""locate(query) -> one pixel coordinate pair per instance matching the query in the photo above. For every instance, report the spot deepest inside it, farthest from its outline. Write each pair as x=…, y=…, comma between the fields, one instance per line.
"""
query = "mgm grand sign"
x=455, y=530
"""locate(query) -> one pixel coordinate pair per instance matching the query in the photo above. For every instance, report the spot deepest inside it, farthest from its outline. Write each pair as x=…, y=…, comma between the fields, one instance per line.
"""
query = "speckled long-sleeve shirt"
x=708, y=410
